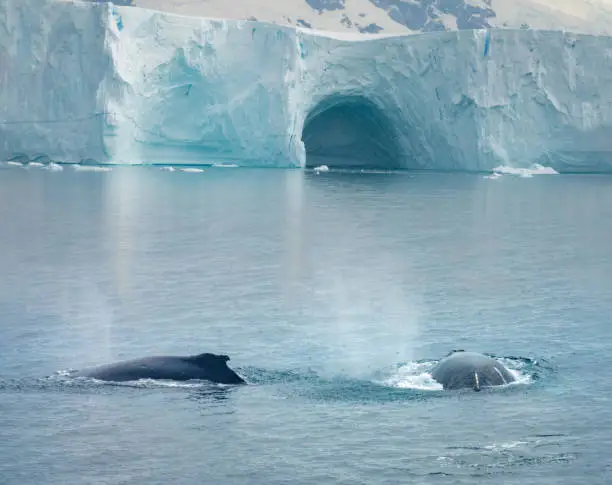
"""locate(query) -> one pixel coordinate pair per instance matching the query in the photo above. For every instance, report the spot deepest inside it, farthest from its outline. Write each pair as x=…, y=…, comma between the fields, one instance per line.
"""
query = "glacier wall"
x=129, y=85
x=53, y=61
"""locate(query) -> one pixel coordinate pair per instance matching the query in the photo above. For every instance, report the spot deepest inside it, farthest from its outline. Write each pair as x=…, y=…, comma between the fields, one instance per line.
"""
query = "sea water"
x=333, y=294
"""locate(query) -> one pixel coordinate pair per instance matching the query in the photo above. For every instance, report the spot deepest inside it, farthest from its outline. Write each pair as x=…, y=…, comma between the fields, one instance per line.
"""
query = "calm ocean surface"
x=333, y=294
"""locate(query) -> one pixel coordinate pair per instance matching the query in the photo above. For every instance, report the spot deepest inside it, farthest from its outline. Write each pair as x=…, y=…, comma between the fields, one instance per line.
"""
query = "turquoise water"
x=333, y=294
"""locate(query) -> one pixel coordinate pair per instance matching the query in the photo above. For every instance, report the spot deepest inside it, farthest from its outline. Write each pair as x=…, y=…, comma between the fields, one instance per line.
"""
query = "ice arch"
x=350, y=132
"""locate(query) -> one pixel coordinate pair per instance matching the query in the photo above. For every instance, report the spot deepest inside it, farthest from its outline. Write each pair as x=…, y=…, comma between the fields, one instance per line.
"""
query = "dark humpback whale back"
x=216, y=365
x=462, y=369
x=206, y=366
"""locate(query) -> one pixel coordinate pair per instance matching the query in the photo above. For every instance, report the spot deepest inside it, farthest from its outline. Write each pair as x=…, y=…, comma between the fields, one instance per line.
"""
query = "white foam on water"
x=67, y=377
x=505, y=446
x=225, y=165
x=321, y=168
x=15, y=164
x=520, y=377
x=36, y=165
x=64, y=372
x=148, y=383
x=517, y=369
x=414, y=375
x=168, y=169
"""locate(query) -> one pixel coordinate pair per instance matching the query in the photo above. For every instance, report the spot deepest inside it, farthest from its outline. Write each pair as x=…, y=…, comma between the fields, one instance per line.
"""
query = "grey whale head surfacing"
x=209, y=367
x=465, y=370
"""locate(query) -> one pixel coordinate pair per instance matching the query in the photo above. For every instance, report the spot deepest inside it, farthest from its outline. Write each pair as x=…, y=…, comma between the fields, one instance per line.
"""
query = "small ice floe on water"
x=168, y=169
x=493, y=176
x=535, y=169
x=321, y=168
x=192, y=170
x=538, y=169
x=54, y=167
x=91, y=168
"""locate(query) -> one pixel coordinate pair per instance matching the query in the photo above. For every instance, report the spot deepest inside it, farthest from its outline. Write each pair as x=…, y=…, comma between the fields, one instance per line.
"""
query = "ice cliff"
x=129, y=85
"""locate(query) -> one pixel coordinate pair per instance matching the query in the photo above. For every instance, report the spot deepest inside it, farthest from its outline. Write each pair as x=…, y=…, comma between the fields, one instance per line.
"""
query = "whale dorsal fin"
x=207, y=357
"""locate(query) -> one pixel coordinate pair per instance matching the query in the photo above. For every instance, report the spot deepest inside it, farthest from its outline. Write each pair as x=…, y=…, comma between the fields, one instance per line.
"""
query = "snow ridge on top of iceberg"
x=162, y=88
x=401, y=16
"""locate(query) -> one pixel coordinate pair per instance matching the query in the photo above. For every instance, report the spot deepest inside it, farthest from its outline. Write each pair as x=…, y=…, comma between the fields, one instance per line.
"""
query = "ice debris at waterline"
x=535, y=169
x=131, y=85
x=91, y=168
x=51, y=166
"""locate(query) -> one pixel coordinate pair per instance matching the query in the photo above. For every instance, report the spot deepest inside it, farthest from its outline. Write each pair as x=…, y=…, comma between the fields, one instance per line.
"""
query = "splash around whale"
x=464, y=370
x=206, y=366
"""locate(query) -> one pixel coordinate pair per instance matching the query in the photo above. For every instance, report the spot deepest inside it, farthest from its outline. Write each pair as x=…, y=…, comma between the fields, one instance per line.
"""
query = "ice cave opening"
x=350, y=132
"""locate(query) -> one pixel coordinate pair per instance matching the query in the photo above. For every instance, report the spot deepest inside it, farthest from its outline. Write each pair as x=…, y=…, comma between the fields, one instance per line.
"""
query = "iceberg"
x=83, y=81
